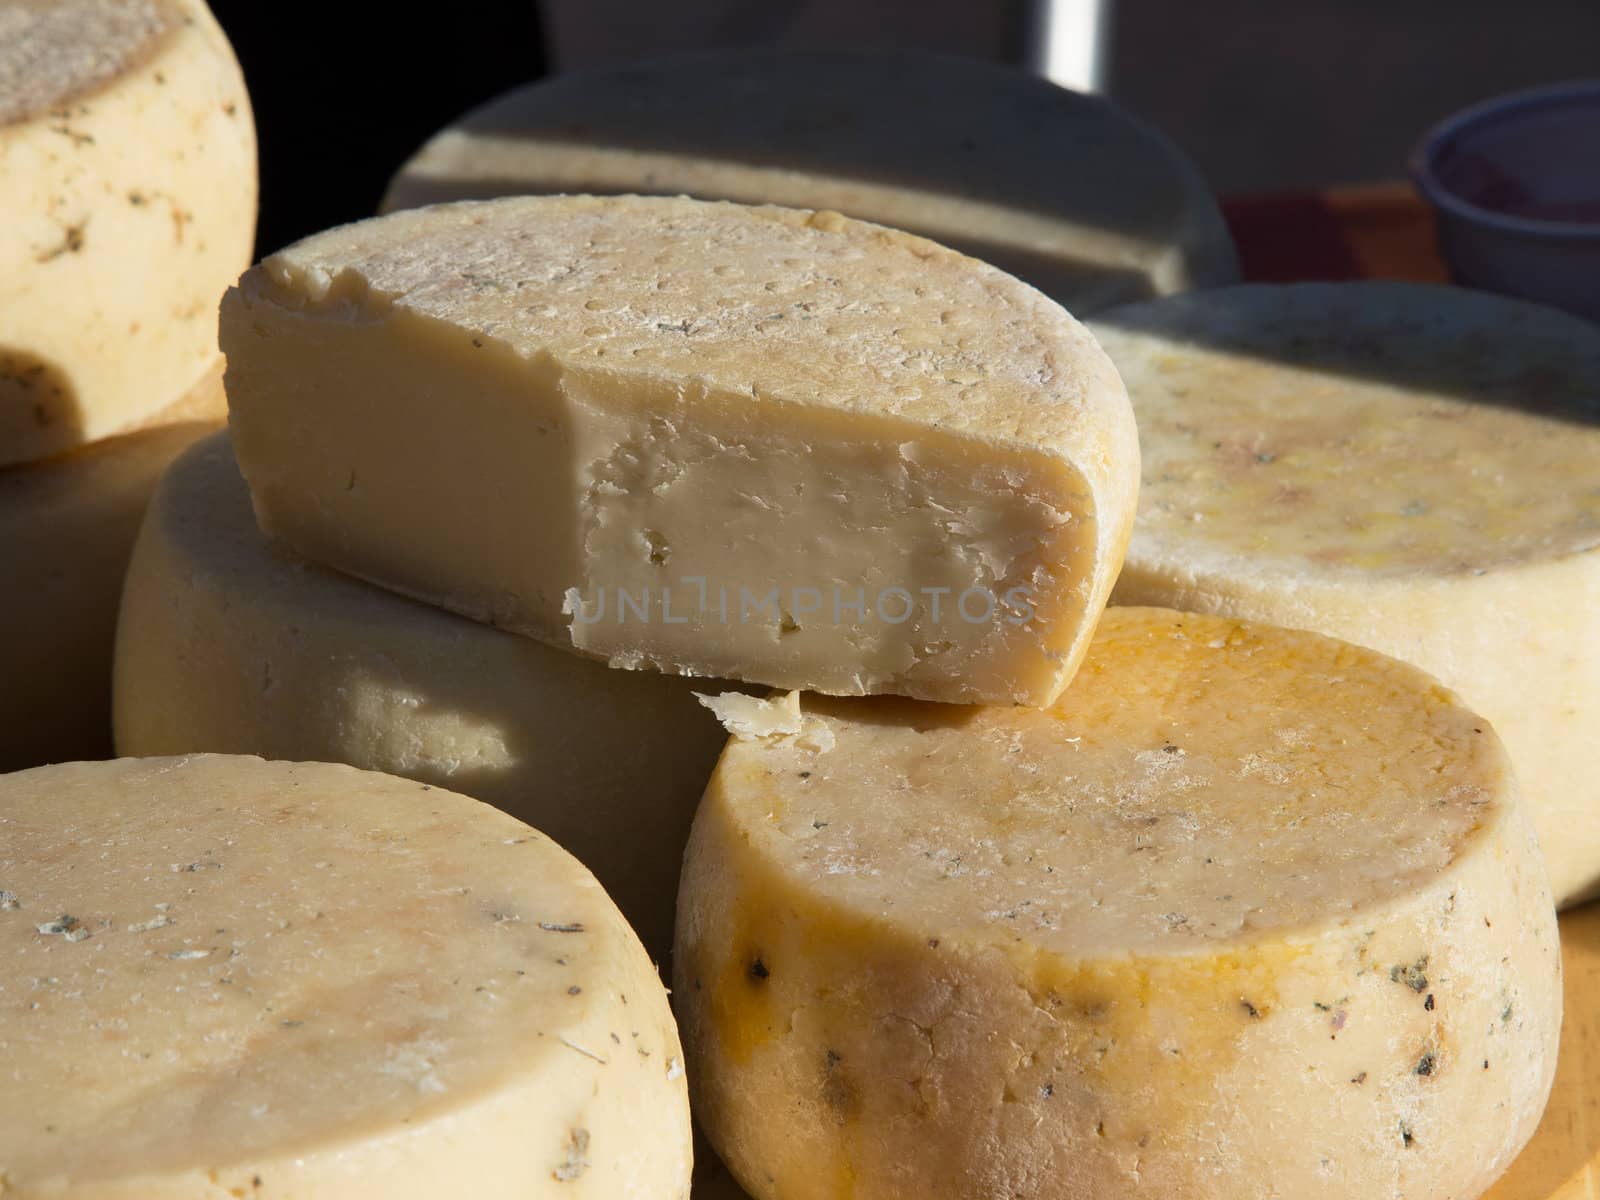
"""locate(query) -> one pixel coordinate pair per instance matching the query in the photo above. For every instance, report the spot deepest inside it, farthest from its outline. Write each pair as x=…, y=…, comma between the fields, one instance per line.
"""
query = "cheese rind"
x=1063, y=190
x=755, y=443
x=1248, y=908
x=227, y=644
x=128, y=180
x=1406, y=467
x=67, y=528
x=227, y=976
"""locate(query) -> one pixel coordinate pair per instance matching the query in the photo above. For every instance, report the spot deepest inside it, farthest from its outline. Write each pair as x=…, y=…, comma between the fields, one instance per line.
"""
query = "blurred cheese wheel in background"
x=67, y=527
x=1063, y=190
x=1413, y=468
x=300, y=981
x=128, y=188
x=1247, y=904
x=227, y=645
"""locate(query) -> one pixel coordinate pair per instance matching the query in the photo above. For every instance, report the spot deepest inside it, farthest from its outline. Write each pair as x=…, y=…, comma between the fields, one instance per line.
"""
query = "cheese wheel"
x=1416, y=469
x=755, y=443
x=232, y=977
x=128, y=184
x=1063, y=190
x=1249, y=912
x=226, y=645
x=67, y=527
x=1562, y=1162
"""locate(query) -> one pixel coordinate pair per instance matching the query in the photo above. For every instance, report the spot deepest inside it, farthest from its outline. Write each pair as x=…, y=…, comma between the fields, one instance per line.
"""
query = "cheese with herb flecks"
x=1416, y=469
x=232, y=977
x=756, y=443
x=227, y=644
x=1248, y=912
x=128, y=188
x=1064, y=190
x=67, y=527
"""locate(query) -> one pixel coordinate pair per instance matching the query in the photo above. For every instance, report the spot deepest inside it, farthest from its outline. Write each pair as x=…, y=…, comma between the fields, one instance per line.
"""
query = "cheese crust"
x=1248, y=912
x=1410, y=468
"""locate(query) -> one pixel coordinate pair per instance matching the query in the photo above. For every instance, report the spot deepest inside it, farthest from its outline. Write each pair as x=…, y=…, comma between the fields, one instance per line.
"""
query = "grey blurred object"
x=1064, y=190
x=1515, y=184
x=1063, y=40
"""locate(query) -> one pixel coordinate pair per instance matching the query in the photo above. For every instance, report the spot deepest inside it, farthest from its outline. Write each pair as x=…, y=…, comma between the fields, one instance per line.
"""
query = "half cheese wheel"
x=755, y=443
x=128, y=184
x=232, y=977
x=67, y=527
x=1248, y=912
x=1063, y=190
x=226, y=645
x=1416, y=469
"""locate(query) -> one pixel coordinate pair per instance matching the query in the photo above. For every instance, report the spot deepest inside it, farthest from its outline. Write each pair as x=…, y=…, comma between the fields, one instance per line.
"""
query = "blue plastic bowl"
x=1515, y=183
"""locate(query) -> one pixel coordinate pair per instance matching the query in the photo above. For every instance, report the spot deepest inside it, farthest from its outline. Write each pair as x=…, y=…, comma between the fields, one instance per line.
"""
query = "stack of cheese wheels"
x=1248, y=912
x=128, y=184
x=226, y=645
x=1061, y=189
x=231, y=977
x=1416, y=469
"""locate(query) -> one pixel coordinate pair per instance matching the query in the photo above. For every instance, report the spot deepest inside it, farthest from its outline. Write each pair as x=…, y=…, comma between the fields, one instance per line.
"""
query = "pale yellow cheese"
x=67, y=527
x=128, y=188
x=1064, y=190
x=231, y=977
x=1416, y=469
x=755, y=443
x=1248, y=913
x=226, y=645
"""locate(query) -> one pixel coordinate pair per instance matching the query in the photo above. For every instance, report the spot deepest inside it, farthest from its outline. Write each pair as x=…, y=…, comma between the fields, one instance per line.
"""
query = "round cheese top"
x=1065, y=190
x=1202, y=782
x=1375, y=428
x=52, y=51
x=809, y=308
x=273, y=971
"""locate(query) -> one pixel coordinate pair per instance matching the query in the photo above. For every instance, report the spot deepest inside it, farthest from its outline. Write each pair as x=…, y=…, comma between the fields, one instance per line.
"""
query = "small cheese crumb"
x=752, y=717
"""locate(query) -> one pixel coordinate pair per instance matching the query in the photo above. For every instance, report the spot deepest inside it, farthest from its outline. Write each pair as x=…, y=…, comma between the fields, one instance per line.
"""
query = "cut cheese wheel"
x=1249, y=912
x=1415, y=469
x=1061, y=189
x=755, y=443
x=67, y=526
x=232, y=977
x=225, y=645
x=128, y=184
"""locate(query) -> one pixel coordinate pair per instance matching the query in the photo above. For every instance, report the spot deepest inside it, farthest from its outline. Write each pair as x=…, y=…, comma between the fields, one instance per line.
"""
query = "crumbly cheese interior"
x=1061, y=189
x=1235, y=873
x=306, y=980
x=1361, y=440
x=755, y=443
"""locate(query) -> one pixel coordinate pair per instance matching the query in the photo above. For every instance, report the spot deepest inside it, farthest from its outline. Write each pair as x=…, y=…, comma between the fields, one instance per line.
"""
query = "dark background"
x=1264, y=94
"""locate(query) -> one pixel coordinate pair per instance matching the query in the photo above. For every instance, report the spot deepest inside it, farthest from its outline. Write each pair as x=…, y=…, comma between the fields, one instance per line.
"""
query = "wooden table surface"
x=1384, y=231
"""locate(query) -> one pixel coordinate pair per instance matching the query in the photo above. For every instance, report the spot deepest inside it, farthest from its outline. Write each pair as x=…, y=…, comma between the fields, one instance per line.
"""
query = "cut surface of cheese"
x=1061, y=189
x=227, y=645
x=232, y=977
x=755, y=443
x=67, y=527
x=128, y=180
x=1248, y=912
x=1416, y=469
